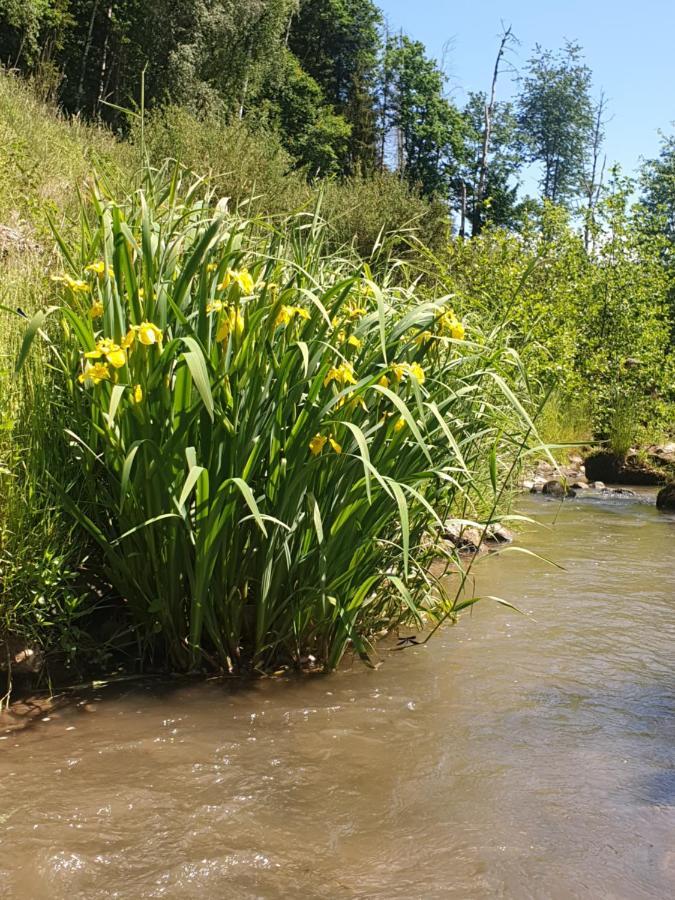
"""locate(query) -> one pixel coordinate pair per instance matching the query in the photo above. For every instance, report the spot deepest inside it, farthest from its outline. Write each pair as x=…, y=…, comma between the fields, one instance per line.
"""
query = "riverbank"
x=653, y=465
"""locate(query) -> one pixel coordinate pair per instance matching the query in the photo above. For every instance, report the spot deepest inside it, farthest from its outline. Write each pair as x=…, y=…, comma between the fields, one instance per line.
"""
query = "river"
x=514, y=756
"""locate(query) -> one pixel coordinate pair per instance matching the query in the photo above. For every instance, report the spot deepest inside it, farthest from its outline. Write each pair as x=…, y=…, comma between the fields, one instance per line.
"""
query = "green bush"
x=593, y=324
x=253, y=170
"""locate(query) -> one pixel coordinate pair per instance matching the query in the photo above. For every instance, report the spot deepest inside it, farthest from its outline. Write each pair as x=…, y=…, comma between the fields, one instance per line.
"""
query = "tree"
x=491, y=182
x=337, y=42
x=656, y=217
x=31, y=30
x=231, y=48
x=593, y=178
x=657, y=183
x=427, y=128
x=294, y=105
x=205, y=53
x=555, y=120
x=485, y=172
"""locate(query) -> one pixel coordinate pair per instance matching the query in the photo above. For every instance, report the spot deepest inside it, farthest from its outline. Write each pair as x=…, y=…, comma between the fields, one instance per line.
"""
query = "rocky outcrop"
x=665, y=499
x=603, y=465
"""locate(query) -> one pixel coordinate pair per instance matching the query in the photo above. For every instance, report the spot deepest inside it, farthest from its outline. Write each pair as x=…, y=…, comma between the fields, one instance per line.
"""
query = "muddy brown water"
x=513, y=757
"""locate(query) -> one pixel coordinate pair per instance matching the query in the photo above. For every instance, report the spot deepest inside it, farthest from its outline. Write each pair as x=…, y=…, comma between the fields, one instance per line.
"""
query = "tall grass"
x=41, y=601
x=265, y=438
x=44, y=162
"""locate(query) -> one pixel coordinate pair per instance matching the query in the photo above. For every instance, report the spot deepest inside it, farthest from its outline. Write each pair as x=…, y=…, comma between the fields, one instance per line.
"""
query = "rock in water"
x=557, y=489
x=665, y=498
x=498, y=534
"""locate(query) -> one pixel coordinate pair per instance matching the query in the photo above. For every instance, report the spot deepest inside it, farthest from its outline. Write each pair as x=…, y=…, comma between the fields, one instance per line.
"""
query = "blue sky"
x=629, y=46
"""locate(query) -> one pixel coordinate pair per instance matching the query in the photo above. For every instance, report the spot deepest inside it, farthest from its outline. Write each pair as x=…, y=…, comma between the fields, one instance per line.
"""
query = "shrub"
x=255, y=172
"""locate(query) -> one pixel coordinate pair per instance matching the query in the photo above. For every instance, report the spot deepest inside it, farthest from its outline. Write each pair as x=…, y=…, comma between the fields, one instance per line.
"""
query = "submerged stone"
x=665, y=499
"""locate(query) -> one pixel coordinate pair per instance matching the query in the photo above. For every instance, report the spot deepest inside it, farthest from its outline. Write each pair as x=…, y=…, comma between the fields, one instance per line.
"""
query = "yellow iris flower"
x=404, y=370
x=99, y=268
x=242, y=277
x=355, y=312
x=138, y=394
x=352, y=399
x=96, y=374
x=317, y=444
x=128, y=339
x=96, y=310
x=232, y=323
x=449, y=324
x=149, y=334
x=114, y=354
x=417, y=372
x=287, y=313
x=342, y=374
x=457, y=331
x=76, y=285
x=423, y=337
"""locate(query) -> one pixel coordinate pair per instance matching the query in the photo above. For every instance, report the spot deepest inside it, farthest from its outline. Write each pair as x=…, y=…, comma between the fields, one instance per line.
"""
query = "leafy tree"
x=657, y=183
x=204, y=54
x=623, y=349
x=555, y=119
x=427, y=128
x=31, y=30
x=108, y=47
x=337, y=42
x=309, y=128
x=232, y=47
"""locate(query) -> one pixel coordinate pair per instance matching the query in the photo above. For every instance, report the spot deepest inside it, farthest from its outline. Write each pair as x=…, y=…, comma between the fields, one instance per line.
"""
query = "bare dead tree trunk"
x=462, y=221
x=385, y=100
x=479, y=196
x=102, y=86
x=594, y=184
x=244, y=92
x=85, y=55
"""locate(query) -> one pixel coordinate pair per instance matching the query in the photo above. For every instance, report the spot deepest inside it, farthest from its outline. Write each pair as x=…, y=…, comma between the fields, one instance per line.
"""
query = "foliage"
x=226, y=53
x=293, y=104
x=31, y=29
x=253, y=169
x=428, y=129
x=624, y=351
x=263, y=435
x=555, y=118
x=42, y=598
x=595, y=326
x=337, y=42
x=658, y=190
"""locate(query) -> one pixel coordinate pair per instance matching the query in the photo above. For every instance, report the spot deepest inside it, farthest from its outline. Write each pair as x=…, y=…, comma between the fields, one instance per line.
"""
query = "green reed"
x=266, y=440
